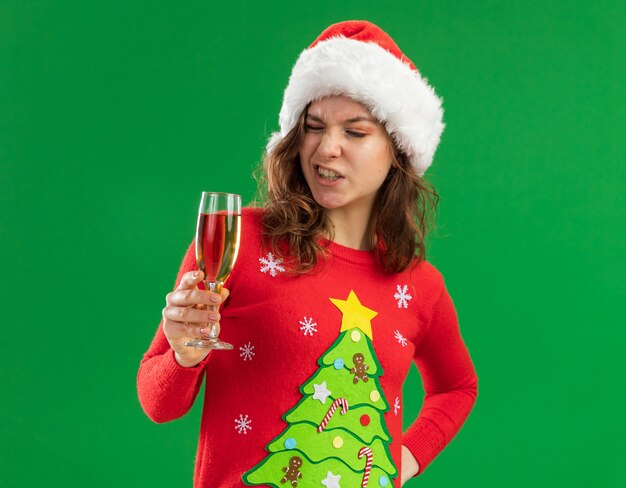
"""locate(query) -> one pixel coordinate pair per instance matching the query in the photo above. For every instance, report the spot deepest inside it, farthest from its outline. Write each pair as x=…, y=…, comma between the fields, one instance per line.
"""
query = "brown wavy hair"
x=293, y=221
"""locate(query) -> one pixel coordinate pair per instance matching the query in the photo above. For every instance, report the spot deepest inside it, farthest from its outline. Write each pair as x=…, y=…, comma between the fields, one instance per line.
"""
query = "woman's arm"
x=167, y=389
x=450, y=384
x=410, y=466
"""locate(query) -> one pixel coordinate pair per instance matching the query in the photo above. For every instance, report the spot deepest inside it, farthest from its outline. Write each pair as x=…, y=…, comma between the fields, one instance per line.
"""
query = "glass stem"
x=215, y=287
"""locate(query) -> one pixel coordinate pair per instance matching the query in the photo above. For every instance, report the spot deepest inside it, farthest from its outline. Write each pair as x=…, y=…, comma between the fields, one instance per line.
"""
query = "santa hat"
x=359, y=60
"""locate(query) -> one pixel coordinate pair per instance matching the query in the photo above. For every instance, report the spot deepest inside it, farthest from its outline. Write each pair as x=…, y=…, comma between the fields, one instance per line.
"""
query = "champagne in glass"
x=217, y=244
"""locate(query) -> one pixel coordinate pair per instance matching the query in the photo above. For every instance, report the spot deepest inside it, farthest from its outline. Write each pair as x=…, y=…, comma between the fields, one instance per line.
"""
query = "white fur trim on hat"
x=395, y=94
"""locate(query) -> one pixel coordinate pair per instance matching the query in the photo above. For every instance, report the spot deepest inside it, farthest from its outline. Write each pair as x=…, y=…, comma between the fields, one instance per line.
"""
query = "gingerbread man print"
x=359, y=369
x=292, y=472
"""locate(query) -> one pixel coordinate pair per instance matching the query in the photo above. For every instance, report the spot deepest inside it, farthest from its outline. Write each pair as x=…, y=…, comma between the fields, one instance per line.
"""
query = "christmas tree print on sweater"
x=337, y=436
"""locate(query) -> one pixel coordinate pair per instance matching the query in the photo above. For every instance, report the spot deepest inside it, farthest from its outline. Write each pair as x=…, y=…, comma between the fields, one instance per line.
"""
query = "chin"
x=328, y=203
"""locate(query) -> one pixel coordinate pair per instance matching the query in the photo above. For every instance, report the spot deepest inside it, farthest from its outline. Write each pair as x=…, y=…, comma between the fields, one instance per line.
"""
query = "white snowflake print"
x=396, y=406
x=402, y=296
x=242, y=424
x=400, y=338
x=247, y=351
x=308, y=326
x=271, y=264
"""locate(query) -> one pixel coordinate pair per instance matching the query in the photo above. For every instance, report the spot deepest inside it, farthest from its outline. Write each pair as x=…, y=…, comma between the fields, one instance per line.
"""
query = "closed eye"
x=318, y=128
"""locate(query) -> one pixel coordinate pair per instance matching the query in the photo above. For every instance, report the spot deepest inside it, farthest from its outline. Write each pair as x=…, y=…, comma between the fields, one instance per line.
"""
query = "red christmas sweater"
x=291, y=335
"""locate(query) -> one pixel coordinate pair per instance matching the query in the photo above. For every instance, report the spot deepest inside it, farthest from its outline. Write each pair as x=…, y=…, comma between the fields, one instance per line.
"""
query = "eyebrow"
x=352, y=120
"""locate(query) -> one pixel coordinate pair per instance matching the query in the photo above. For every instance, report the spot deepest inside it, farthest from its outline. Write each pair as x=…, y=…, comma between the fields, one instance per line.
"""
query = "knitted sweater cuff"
x=177, y=376
x=425, y=441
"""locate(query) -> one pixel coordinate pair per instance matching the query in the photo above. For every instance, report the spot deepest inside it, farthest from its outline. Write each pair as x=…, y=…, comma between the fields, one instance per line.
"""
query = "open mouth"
x=328, y=174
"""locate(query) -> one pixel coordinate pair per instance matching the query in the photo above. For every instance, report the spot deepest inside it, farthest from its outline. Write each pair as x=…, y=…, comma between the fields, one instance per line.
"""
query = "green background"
x=115, y=115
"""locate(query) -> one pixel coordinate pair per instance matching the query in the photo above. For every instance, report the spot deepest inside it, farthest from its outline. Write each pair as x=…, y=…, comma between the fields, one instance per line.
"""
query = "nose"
x=330, y=145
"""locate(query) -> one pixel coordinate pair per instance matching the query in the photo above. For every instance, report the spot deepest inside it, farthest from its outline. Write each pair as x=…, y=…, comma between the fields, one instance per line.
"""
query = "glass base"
x=209, y=344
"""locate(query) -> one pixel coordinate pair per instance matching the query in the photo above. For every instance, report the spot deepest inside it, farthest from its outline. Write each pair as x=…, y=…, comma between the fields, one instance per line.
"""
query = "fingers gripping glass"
x=217, y=244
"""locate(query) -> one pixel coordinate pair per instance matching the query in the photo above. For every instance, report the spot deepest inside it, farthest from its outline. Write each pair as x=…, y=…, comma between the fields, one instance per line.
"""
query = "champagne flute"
x=217, y=244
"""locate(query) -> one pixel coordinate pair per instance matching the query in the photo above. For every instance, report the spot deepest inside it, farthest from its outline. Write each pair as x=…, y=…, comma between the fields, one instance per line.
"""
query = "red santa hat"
x=359, y=60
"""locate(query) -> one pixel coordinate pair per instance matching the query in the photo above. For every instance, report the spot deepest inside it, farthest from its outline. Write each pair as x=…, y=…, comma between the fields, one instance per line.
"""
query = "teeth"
x=327, y=174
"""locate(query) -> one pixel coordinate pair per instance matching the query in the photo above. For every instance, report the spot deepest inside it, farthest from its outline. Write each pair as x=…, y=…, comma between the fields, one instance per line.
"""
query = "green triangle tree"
x=336, y=435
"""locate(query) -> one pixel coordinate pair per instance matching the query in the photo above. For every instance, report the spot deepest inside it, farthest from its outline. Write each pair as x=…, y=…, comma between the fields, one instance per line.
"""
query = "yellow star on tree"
x=355, y=314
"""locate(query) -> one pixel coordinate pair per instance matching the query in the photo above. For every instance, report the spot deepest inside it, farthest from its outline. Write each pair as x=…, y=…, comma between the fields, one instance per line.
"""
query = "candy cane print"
x=344, y=408
x=366, y=451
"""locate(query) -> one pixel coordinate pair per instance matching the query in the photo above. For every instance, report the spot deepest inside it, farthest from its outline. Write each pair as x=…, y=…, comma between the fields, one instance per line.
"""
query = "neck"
x=350, y=230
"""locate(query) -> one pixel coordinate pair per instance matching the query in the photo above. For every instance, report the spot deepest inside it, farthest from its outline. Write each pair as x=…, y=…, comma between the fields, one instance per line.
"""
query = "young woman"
x=331, y=299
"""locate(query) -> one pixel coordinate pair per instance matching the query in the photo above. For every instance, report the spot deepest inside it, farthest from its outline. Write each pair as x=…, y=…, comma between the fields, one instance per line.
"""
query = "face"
x=345, y=156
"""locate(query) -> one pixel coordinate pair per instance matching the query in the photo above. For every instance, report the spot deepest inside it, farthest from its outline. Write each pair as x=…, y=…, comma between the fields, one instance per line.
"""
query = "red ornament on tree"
x=365, y=420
